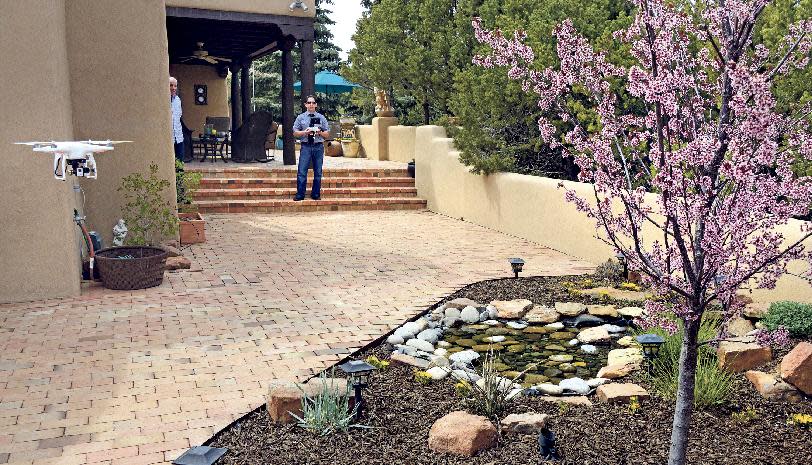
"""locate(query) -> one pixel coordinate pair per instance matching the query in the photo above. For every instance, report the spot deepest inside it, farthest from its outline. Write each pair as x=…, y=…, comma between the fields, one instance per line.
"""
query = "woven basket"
x=144, y=269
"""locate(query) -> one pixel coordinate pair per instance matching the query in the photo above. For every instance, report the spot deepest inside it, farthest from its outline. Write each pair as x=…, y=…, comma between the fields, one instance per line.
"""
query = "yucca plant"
x=328, y=411
x=491, y=396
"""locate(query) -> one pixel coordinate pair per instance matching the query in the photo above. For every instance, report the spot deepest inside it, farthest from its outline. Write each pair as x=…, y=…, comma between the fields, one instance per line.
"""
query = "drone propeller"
x=37, y=144
x=106, y=142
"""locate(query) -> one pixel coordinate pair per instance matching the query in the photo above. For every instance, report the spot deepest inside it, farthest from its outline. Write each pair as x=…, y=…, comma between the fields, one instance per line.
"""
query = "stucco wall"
x=401, y=143
x=277, y=7
x=195, y=115
x=38, y=248
x=119, y=67
x=534, y=208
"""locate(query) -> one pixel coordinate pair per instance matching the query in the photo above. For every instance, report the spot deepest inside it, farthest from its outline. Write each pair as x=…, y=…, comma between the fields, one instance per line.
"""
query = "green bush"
x=712, y=385
x=795, y=316
x=186, y=184
x=149, y=216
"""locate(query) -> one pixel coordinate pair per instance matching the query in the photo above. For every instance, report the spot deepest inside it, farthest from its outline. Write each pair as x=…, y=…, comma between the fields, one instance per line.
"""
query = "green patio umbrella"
x=329, y=83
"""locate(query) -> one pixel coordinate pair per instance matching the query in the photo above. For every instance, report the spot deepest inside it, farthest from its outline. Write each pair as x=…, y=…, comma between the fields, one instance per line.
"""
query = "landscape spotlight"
x=621, y=258
x=651, y=346
x=298, y=4
x=359, y=372
x=516, y=264
x=200, y=455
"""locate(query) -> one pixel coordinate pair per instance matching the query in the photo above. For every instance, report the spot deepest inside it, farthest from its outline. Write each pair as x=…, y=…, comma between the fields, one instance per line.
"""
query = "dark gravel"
x=401, y=412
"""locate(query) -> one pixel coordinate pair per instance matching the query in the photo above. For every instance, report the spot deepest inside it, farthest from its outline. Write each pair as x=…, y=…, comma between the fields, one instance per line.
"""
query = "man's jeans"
x=308, y=153
x=179, y=151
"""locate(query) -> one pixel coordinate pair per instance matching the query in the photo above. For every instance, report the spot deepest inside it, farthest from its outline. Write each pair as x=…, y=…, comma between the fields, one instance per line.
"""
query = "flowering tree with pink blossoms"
x=692, y=190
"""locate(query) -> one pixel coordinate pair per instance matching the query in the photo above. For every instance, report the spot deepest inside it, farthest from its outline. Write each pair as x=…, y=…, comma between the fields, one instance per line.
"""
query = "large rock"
x=632, y=355
x=593, y=335
x=460, y=303
x=570, y=308
x=466, y=356
x=285, y=397
x=541, y=314
x=773, y=388
x=461, y=433
x=576, y=385
x=403, y=359
x=469, y=315
x=612, y=293
x=602, y=310
x=796, y=367
x=631, y=312
x=617, y=371
x=620, y=392
x=512, y=309
x=524, y=423
x=573, y=400
x=736, y=357
x=419, y=344
x=756, y=311
x=739, y=327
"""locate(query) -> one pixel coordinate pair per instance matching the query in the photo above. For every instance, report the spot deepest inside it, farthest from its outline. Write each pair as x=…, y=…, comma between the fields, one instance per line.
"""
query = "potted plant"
x=349, y=142
x=139, y=264
x=192, y=225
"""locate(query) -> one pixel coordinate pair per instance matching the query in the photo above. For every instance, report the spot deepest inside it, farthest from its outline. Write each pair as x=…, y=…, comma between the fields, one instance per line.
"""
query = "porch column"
x=288, y=115
x=236, y=110
x=307, y=64
x=245, y=87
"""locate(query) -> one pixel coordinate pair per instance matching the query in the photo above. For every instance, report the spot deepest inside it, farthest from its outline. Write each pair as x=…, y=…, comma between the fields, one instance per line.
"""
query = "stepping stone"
x=616, y=371
x=617, y=392
x=624, y=356
x=512, y=309
x=593, y=335
x=570, y=308
x=602, y=310
x=631, y=312
x=542, y=314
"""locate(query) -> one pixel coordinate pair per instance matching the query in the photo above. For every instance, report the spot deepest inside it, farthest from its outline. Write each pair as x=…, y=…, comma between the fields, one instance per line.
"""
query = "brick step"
x=290, y=172
x=307, y=205
x=326, y=182
x=289, y=192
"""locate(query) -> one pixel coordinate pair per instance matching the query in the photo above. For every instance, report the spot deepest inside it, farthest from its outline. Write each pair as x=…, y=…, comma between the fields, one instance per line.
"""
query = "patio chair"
x=248, y=141
x=219, y=123
x=270, y=142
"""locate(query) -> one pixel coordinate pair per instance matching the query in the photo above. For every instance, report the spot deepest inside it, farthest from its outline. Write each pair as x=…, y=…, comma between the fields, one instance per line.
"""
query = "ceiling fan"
x=202, y=54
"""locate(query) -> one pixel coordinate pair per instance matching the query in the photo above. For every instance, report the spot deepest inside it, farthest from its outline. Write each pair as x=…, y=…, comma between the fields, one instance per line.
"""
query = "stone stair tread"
x=339, y=201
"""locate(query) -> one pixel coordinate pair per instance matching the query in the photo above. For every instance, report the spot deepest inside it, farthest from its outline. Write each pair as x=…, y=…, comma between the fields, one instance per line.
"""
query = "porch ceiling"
x=235, y=35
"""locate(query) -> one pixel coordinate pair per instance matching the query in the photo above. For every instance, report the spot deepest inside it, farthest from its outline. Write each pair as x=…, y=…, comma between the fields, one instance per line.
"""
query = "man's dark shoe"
x=316, y=198
x=298, y=199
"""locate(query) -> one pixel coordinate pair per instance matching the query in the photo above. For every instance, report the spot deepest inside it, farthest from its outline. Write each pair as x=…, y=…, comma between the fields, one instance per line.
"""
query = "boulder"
x=429, y=335
x=773, y=388
x=512, y=309
x=602, y=310
x=466, y=356
x=285, y=397
x=624, y=356
x=576, y=385
x=550, y=389
x=460, y=303
x=570, y=308
x=541, y=314
x=737, y=357
x=469, y=315
x=620, y=392
x=177, y=263
x=438, y=373
x=461, y=433
x=756, y=311
x=395, y=340
x=420, y=345
x=524, y=423
x=739, y=327
x=616, y=371
x=402, y=359
x=796, y=367
x=593, y=335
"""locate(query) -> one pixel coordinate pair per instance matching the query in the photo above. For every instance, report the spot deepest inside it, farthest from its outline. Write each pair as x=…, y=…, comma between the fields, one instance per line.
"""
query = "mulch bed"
x=401, y=412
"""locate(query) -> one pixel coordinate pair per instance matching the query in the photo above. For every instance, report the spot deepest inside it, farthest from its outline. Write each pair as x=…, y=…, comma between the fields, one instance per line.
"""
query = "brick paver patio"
x=116, y=377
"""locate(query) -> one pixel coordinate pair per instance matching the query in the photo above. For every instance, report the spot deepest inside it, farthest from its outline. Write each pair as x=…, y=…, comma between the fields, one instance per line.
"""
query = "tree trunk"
x=685, y=393
x=426, y=113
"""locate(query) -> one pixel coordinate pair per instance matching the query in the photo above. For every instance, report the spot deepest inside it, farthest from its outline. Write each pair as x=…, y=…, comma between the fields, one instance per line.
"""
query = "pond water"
x=546, y=353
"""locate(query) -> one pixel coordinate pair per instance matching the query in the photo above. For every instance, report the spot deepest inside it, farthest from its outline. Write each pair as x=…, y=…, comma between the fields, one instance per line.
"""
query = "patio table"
x=212, y=146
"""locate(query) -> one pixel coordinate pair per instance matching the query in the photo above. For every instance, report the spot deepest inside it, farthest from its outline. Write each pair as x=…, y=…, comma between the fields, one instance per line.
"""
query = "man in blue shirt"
x=311, y=128
x=177, y=112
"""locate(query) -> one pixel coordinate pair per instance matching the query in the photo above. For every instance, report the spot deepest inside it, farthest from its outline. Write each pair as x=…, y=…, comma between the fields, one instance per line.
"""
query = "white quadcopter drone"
x=74, y=158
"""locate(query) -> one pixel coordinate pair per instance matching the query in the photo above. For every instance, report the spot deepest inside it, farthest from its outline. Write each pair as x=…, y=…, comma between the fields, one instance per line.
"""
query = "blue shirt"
x=303, y=122
x=177, y=112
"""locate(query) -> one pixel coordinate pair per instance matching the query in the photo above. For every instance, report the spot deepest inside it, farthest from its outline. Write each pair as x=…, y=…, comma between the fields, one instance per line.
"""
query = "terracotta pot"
x=351, y=148
x=192, y=228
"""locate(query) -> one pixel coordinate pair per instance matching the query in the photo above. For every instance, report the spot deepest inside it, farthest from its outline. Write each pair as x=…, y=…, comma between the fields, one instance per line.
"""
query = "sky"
x=345, y=14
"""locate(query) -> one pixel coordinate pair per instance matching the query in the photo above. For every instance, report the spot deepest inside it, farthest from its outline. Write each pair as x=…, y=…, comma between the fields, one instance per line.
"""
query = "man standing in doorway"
x=177, y=112
x=311, y=128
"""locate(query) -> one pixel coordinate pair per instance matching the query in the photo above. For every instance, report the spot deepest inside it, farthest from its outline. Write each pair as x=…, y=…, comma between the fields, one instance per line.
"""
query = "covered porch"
x=231, y=41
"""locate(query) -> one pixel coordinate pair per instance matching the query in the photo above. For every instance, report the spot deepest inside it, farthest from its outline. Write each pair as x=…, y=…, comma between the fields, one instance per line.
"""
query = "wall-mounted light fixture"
x=298, y=4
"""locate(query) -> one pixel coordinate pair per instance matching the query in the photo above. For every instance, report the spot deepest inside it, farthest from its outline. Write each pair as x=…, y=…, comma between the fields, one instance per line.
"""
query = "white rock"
x=421, y=345
x=574, y=342
x=438, y=373
x=503, y=384
x=624, y=356
x=439, y=360
x=463, y=375
x=491, y=323
x=595, y=382
x=444, y=344
x=428, y=335
x=452, y=313
x=449, y=321
x=404, y=333
x=592, y=335
x=404, y=349
x=631, y=312
x=470, y=315
x=494, y=339
x=556, y=325
x=514, y=393
x=483, y=316
x=415, y=327
x=466, y=356
x=575, y=385
x=613, y=328
x=588, y=349
x=492, y=311
x=440, y=351
x=550, y=389
x=516, y=324
x=394, y=339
